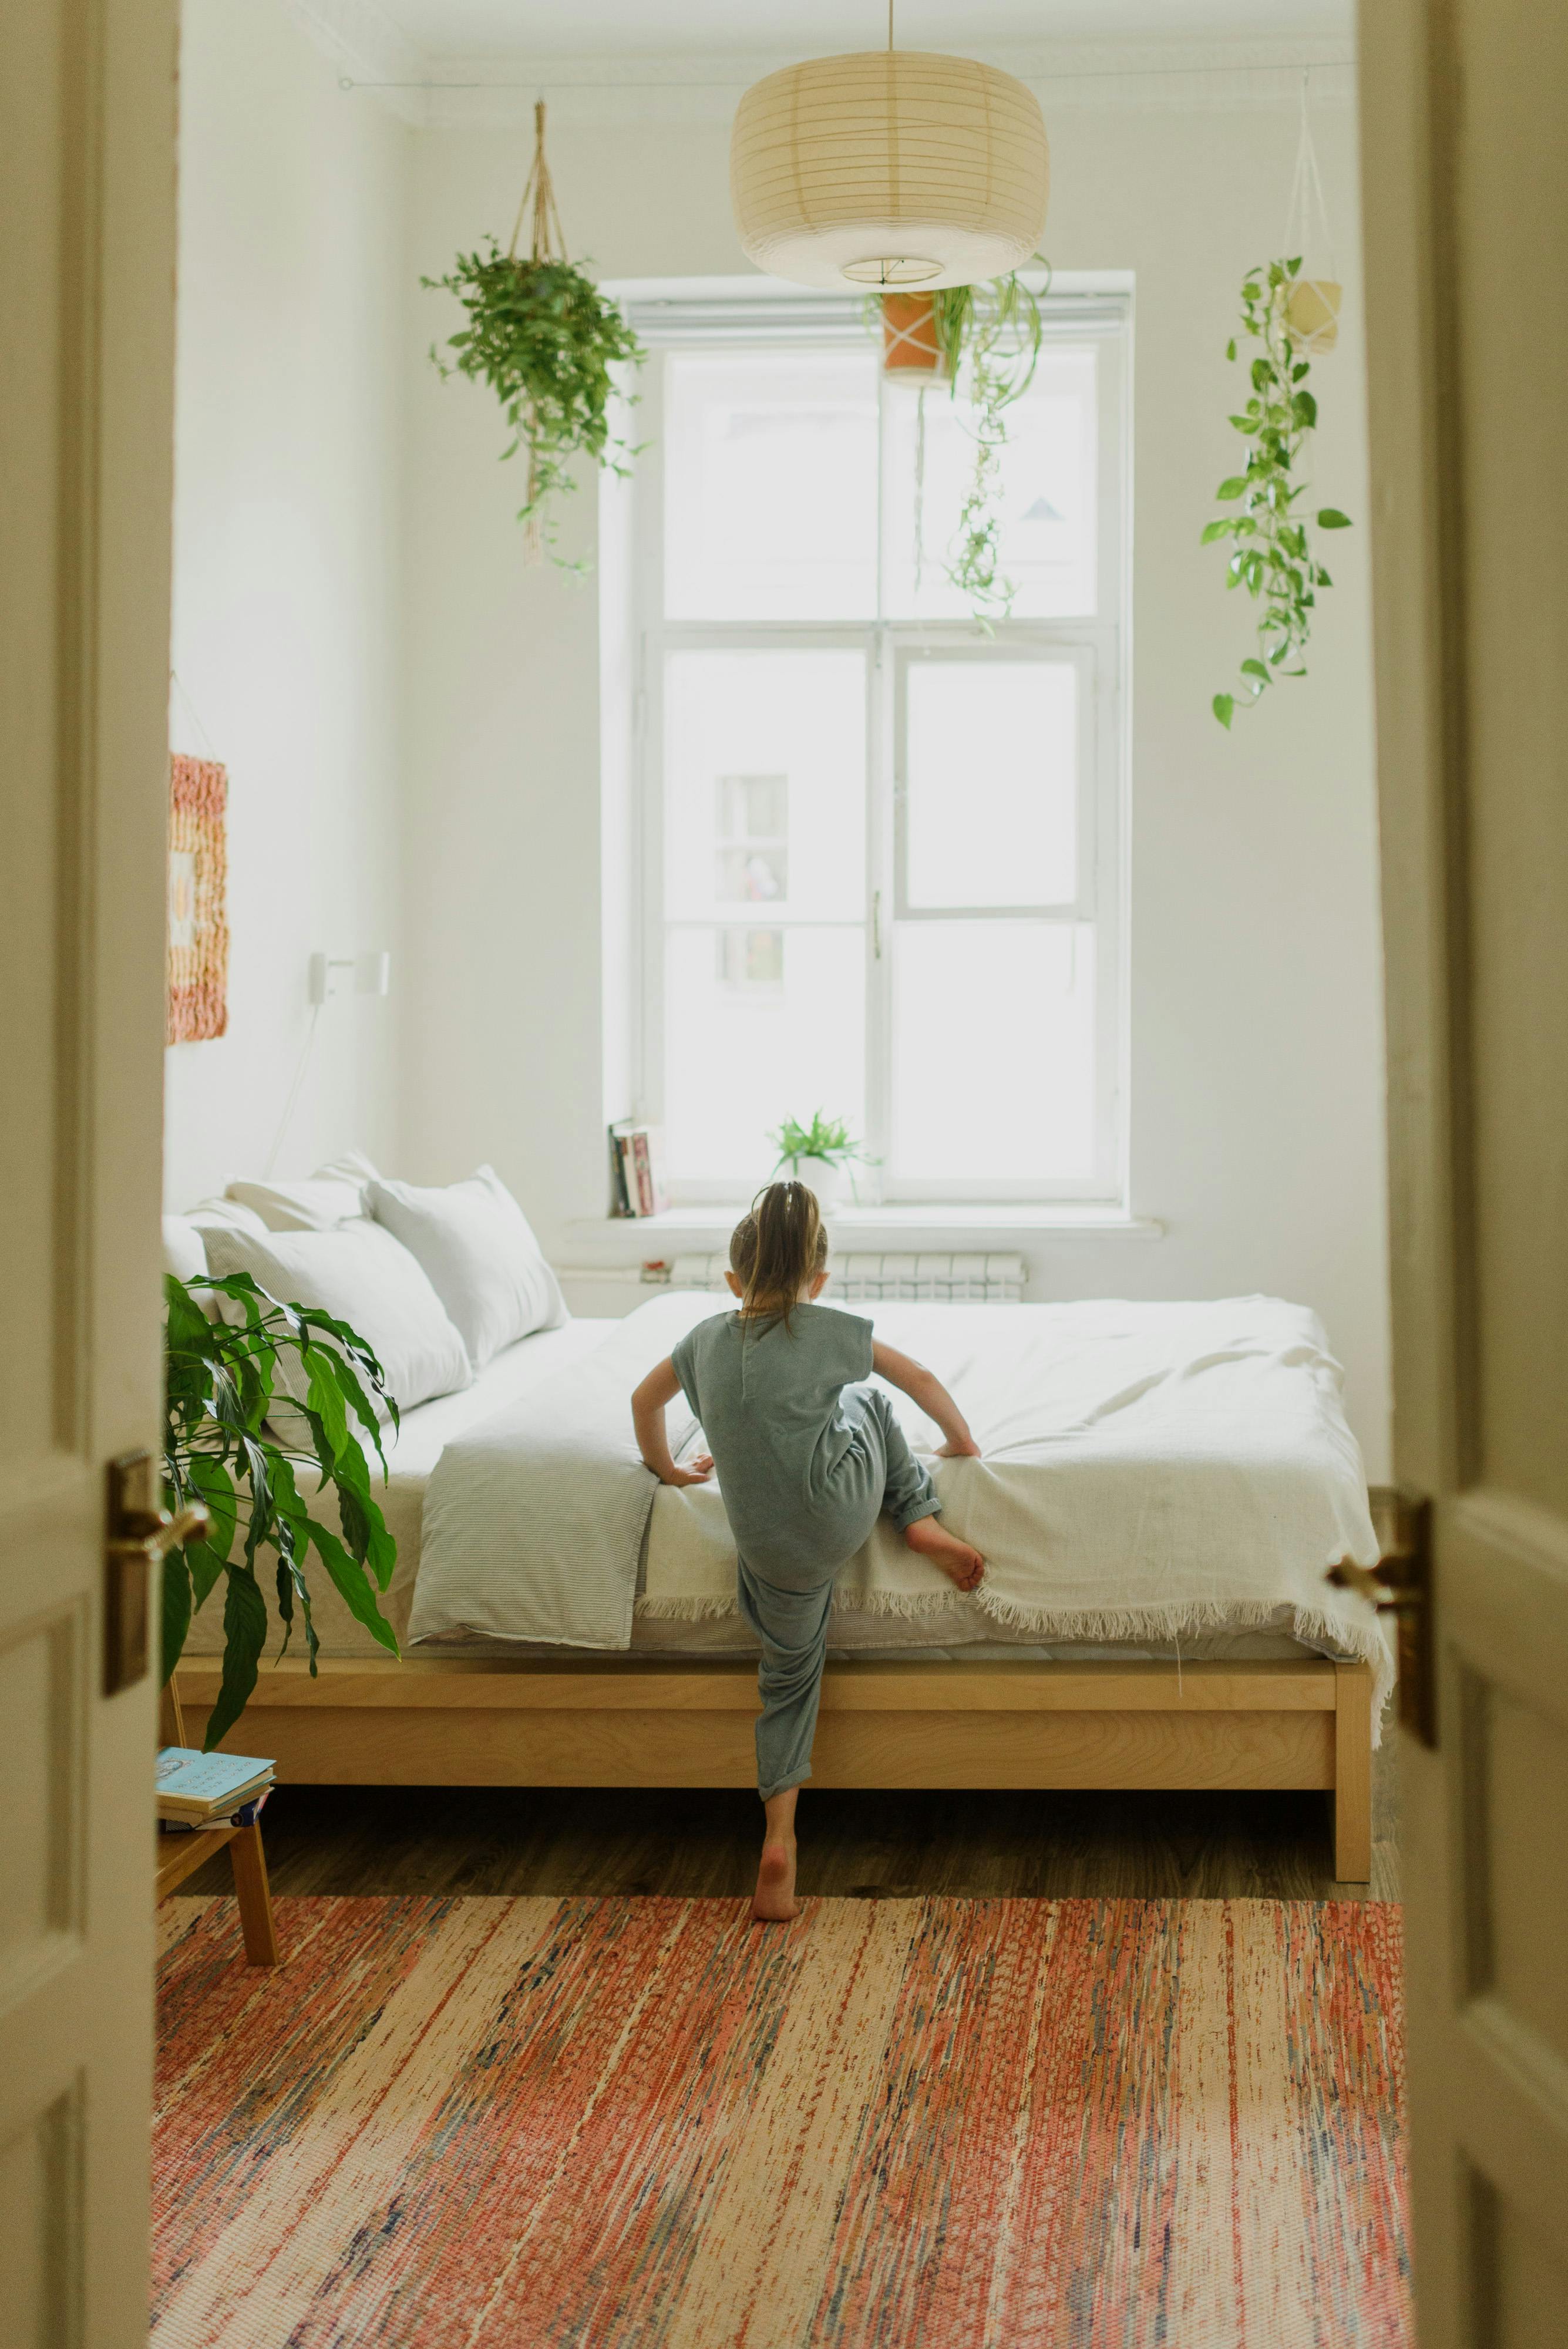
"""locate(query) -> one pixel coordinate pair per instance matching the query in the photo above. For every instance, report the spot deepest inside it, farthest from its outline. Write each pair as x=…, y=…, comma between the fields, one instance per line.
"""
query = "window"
x=881, y=847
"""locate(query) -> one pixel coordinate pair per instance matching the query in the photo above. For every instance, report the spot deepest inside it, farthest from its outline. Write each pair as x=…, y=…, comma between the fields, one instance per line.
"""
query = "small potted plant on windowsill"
x=823, y=1155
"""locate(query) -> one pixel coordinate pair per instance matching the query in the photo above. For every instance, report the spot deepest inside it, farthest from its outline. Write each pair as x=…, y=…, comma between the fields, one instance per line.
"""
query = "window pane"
x=761, y=1024
x=766, y=785
x=770, y=486
x=991, y=762
x=994, y=1052
x=1045, y=494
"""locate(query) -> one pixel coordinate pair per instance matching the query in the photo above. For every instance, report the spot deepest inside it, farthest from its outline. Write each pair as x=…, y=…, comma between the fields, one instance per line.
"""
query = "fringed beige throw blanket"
x=1149, y=1472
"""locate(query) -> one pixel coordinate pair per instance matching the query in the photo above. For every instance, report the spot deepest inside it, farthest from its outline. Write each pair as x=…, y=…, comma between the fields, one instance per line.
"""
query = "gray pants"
x=790, y=1619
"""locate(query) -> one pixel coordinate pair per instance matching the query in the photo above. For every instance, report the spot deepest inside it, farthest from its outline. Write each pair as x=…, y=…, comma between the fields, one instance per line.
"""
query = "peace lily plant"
x=222, y=1378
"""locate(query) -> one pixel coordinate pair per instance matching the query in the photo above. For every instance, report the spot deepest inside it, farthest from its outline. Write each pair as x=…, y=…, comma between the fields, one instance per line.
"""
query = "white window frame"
x=681, y=315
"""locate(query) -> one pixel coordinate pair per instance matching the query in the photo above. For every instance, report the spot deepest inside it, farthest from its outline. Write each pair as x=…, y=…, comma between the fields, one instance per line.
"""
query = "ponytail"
x=776, y=1249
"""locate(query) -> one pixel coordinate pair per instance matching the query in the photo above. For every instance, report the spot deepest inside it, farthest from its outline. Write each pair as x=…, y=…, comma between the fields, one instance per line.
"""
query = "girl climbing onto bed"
x=809, y=1457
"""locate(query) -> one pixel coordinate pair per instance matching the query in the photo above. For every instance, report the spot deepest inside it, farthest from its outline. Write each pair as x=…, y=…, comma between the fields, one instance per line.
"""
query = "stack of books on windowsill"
x=209, y=1790
x=636, y=1169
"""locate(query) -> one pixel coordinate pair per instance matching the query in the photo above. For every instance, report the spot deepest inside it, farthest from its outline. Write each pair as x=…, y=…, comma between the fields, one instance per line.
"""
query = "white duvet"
x=1149, y=1472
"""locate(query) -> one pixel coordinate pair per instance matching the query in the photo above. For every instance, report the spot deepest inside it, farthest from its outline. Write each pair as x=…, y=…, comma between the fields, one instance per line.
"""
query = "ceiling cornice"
x=377, y=61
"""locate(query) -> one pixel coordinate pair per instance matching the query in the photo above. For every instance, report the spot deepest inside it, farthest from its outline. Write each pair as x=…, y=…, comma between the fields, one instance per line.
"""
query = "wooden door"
x=1465, y=161
x=86, y=194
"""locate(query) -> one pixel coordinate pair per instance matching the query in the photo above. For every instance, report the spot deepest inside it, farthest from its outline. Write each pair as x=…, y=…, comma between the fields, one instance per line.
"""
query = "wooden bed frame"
x=641, y=1722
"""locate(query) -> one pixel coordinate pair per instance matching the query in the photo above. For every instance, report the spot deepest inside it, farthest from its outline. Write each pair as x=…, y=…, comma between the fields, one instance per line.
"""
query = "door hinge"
x=140, y=1531
x=1400, y=1585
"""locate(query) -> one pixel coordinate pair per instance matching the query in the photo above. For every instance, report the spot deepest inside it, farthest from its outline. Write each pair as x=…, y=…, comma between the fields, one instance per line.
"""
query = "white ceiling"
x=578, y=28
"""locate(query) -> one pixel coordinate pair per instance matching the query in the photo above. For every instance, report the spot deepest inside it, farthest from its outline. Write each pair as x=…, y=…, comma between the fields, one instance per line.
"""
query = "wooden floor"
x=864, y=1846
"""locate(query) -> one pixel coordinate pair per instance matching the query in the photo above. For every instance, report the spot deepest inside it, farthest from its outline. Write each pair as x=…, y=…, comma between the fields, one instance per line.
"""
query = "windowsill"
x=984, y=1224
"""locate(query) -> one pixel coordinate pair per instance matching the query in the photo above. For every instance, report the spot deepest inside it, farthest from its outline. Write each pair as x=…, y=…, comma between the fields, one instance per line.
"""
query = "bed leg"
x=1353, y=1774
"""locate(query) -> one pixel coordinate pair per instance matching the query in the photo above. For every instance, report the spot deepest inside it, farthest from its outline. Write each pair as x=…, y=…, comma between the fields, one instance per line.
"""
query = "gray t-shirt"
x=801, y=1478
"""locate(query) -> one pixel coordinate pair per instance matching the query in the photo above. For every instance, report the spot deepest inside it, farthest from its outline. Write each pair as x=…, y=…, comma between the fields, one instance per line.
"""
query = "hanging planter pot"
x=909, y=342
x=547, y=341
x=1292, y=319
x=1312, y=316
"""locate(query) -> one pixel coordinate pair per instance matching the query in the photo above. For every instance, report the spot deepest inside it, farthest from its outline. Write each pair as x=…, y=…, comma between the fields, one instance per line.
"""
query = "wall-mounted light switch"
x=330, y=975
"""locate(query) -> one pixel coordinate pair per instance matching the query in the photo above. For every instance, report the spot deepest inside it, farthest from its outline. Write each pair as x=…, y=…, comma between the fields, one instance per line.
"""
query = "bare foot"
x=957, y=1562
x=774, y=1902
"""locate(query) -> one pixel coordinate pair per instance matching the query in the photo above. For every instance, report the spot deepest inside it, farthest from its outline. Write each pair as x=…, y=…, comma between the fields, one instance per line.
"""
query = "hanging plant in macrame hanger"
x=547, y=341
x=1293, y=317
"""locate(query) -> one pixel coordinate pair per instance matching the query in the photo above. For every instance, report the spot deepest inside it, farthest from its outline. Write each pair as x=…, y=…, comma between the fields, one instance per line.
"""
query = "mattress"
x=685, y=1612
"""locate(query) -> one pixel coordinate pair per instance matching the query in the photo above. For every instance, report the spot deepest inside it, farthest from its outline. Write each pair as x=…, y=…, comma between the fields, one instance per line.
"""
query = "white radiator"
x=975, y=1279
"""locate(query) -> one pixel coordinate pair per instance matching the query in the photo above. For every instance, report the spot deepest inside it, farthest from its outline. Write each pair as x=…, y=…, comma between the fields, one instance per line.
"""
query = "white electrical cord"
x=292, y=1091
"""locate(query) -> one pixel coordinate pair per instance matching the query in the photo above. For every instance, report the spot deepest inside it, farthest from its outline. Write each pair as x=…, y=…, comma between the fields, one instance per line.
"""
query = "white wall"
x=1257, y=1131
x=292, y=373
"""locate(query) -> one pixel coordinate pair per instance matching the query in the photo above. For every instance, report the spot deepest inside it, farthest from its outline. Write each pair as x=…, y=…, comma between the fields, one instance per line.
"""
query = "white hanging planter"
x=1311, y=315
x=1311, y=309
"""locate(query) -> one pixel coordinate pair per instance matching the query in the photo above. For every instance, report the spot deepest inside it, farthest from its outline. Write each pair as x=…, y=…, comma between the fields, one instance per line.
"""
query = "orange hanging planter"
x=910, y=343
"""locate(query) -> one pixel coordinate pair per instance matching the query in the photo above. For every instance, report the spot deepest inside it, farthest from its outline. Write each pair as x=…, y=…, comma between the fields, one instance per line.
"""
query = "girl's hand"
x=697, y=1473
x=958, y=1447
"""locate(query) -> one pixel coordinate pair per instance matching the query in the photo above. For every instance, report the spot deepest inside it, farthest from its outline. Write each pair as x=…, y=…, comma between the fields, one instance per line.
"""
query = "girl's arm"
x=919, y=1383
x=658, y=1391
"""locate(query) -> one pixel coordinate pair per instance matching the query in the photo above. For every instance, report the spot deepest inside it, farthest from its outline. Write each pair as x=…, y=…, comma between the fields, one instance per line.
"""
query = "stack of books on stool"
x=209, y=1790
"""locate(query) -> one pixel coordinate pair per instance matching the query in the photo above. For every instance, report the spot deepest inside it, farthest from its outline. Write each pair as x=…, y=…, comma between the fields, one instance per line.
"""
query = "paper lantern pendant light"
x=889, y=167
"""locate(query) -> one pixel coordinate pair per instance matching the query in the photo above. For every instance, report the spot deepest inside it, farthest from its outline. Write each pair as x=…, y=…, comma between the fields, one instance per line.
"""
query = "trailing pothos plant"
x=221, y=1381
x=547, y=341
x=988, y=336
x=995, y=331
x=1272, y=555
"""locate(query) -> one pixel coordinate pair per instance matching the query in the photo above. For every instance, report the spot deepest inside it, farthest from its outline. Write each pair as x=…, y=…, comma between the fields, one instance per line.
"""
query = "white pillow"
x=184, y=1253
x=330, y=1197
x=227, y=1215
x=185, y=1241
x=483, y=1262
x=358, y=1274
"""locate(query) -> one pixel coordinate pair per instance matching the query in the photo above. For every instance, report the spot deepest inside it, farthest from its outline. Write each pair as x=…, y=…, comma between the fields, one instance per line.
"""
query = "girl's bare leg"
x=774, y=1902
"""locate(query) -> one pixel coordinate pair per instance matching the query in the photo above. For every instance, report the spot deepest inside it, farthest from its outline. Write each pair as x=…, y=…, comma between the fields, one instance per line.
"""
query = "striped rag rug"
x=933, y=2124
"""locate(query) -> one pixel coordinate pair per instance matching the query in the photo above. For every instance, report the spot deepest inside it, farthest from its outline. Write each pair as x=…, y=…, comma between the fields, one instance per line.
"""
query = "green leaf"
x=1213, y=530
x=1330, y=518
x=1233, y=487
x=244, y=1637
x=1230, y=348
x=1256, y=668
x=353, y=1585
x=176, y=1610
x=214, y=1487
x=1224, y=707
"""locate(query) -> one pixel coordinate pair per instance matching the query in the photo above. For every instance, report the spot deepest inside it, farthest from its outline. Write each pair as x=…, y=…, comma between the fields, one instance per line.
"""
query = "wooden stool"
x=180, y=1855
x=177, y=1856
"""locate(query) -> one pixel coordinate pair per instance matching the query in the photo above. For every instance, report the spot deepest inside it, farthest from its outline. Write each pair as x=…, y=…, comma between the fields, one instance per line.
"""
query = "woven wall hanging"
x=198, y=894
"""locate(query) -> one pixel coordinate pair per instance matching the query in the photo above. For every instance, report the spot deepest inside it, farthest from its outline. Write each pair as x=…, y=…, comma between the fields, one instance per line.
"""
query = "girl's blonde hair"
x=776, y=1249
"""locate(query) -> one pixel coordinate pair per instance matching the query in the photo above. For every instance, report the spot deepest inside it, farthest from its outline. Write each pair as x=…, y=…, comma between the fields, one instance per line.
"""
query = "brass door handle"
x=139, y=1534
x=151, y=1533
x=1400, y=1585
